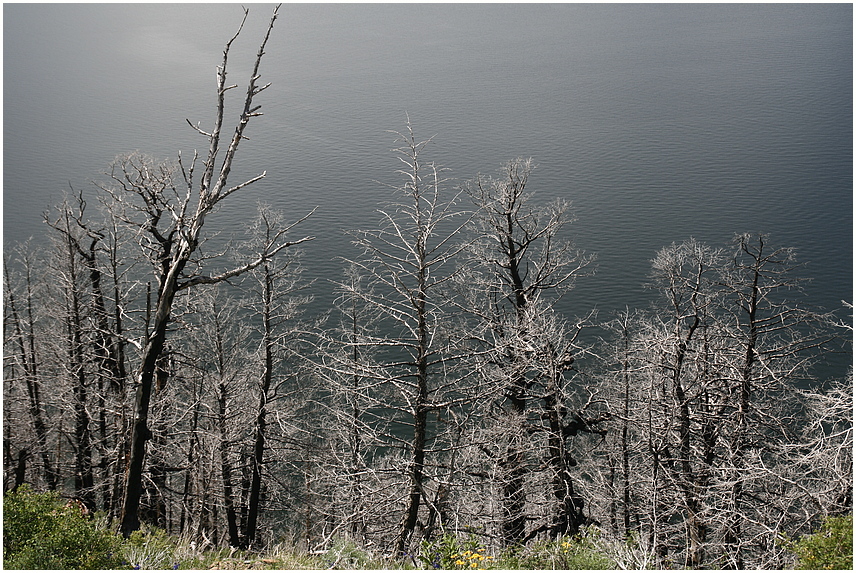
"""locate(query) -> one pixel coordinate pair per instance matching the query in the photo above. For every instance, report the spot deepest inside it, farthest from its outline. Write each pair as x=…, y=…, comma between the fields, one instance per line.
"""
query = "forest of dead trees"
x=162, y=381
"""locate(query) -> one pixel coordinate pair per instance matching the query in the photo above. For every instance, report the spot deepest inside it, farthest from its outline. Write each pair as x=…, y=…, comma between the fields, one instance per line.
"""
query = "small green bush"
x=831, y=547
x=345, y=554
x=452, y=552
x=151, y=548
x=41, y=532
x=574, y=553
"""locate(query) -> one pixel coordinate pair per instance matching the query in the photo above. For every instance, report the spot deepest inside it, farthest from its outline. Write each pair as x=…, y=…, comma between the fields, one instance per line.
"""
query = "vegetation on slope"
x=43, y=531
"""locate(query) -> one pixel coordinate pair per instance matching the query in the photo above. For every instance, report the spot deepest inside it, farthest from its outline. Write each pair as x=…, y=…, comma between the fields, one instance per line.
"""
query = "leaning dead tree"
x=168, y=218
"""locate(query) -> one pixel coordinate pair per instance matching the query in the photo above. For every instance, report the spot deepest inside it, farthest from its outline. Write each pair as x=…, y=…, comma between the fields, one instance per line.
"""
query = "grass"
x=153, y=549
x=43, y=531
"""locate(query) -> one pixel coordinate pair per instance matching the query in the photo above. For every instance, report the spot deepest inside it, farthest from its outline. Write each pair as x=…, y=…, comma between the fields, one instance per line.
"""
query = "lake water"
x=659, y=122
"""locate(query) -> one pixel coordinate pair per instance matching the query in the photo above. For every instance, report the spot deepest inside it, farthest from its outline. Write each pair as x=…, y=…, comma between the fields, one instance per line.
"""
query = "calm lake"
x=659, y=122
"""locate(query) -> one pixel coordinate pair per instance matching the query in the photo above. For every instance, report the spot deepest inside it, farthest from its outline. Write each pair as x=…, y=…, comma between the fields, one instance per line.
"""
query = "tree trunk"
x=83, y=476
x=625, y=429
x=420, y=413
x=695, y=528
x=140, y=433
x=569, y=516
x=514, y=463
x=416, y=476
x=740, y=440
x=21, y=468
x=226, y=469
x=176, y=244
x=257, y=462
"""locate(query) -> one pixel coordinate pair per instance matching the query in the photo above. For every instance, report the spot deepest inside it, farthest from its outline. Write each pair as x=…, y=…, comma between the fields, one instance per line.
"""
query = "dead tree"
x=81, y=240
x=346, y=410
x=522, y=265
x=713, y=379
x=169, y=225
x=775, y=341
x=277, y=301
x=218, y=318
x=684, y=274
x=23, y=329
x=408, y=259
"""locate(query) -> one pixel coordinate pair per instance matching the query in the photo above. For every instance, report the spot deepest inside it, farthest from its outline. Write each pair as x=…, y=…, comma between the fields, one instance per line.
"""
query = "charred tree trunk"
x=83, y=474
x=257, y=463
x=223, y=441
x=625, y=430
x=682, y=272
x=522, y=255
x=416, y=470
x=226, y=469
x=695, y=551
x=140, y=432
x=514, y=462
x=106, y=356
x=569, y=517
x=740, y=440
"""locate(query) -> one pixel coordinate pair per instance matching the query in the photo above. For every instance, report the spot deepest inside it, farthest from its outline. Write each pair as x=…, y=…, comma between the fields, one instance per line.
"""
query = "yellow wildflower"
x=459, y=562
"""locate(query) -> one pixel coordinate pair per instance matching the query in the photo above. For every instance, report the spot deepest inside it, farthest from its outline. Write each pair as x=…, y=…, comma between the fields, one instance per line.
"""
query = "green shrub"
x=151, y=548
x=578, y=552
x=831, y=547
x=345, y=554
x=41, y=532
x=452, y=552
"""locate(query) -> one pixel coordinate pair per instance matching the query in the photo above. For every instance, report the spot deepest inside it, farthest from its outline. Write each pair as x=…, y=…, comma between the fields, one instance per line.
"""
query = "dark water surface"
x=658, y=121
